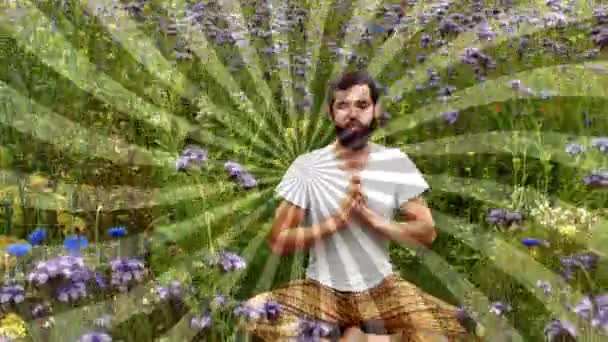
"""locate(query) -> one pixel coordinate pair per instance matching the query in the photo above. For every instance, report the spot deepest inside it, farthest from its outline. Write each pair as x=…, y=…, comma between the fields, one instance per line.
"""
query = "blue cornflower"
x=37, y=236
x=117, y=231
x=18, y=249
x=75, y=242
x=534, y=242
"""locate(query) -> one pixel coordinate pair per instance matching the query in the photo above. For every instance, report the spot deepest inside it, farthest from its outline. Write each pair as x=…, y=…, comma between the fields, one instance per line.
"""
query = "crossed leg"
x=398, y=307
x=299, y=299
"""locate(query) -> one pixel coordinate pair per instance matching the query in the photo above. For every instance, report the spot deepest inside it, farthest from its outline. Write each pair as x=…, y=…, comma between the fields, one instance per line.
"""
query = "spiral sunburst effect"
x=496, y=105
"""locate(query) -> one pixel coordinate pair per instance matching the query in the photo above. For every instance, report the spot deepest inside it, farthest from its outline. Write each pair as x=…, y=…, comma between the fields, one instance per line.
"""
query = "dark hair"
x=349, y=79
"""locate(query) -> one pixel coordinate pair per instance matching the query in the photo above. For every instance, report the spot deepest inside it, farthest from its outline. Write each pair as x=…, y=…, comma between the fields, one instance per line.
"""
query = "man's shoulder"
x=313, y=154
x=388, y=152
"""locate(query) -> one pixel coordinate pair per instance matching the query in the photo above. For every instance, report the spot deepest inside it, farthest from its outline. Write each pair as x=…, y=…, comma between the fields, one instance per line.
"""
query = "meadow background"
x=100, y=98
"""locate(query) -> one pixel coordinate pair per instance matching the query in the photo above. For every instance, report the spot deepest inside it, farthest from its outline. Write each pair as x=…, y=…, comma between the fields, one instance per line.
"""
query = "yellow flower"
x=567, y=229
x=12, y=326
x=39, y=183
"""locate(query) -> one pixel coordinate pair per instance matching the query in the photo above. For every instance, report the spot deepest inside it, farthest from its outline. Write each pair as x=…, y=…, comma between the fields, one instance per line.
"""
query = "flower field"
x=141, y=142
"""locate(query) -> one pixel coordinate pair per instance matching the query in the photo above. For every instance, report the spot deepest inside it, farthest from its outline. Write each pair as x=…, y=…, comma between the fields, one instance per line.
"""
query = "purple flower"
x=65, y=275
x=228, y=261
x=466, y=319
x=182, y=164
x=599, y=36
x=173, y=291
x=247, y=311
x=448, y=26
x=100, y=280
x=446, y=91
x=234, y=169
x=271, y=309
x=545, y=286
x=503, y=217
x=584, y=261
x=12, y=293
x=200, y=322
x=247, y=180
x=600, y=143
x=95, y=337
x=425, y=39
x=219, y=300
x=557, y=330
x=126, y=272
x=71, y=291
x=191, y=156
x=600, y=14
x=478, y=60
x=499, y=308
x=450, y=116
x=40, y=310
x=312, y=330
x=596, y=178
x=595, y=309
x=484, y=32
x=574, y=148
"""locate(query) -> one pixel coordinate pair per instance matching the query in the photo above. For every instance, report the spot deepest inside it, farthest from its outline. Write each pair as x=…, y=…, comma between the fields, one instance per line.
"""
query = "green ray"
x=280, y=38
x=546, y=146
x=364, y=11
x=395, y=44
x=124, y=30
x=515, y=262
x=462, y=288
x=560, y=79
x=315, y=27
x=182, y=330
x=237, y=24
x=127, y=305
x=204, y=50
x=35, y=34
x=436, y=60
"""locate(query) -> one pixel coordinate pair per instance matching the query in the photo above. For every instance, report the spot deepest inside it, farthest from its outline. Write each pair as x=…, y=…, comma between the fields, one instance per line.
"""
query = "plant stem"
x=97, y=246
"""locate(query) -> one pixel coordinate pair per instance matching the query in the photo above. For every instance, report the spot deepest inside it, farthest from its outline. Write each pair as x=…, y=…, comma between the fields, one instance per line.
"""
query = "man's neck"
x=347, y=153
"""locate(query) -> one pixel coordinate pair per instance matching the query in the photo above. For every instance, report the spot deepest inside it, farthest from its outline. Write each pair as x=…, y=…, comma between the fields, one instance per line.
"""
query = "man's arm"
x=419, y=227
x=287, y=235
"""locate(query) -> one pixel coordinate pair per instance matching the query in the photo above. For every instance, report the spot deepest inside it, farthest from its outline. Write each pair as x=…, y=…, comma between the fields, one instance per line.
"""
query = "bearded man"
x=338, y=203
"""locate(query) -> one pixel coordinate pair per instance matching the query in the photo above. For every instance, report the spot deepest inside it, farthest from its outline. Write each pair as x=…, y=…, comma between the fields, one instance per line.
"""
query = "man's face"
x=354, y=116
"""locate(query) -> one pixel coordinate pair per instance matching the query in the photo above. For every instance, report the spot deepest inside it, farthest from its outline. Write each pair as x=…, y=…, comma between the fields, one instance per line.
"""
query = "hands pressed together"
x=355, y=205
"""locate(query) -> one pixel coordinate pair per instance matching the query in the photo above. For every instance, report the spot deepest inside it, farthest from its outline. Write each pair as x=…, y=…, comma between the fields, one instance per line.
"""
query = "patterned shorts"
x=395, y=306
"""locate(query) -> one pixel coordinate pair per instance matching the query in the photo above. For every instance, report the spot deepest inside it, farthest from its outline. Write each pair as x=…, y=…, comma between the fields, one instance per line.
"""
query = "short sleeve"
x=410, y=181
x=294, y=186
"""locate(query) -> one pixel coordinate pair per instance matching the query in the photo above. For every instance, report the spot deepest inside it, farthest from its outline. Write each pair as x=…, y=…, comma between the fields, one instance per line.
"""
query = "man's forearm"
x=302, y=238
x=413, y=232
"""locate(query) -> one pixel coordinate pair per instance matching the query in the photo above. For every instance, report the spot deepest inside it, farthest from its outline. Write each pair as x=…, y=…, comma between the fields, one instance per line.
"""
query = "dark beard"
x=355, y=140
